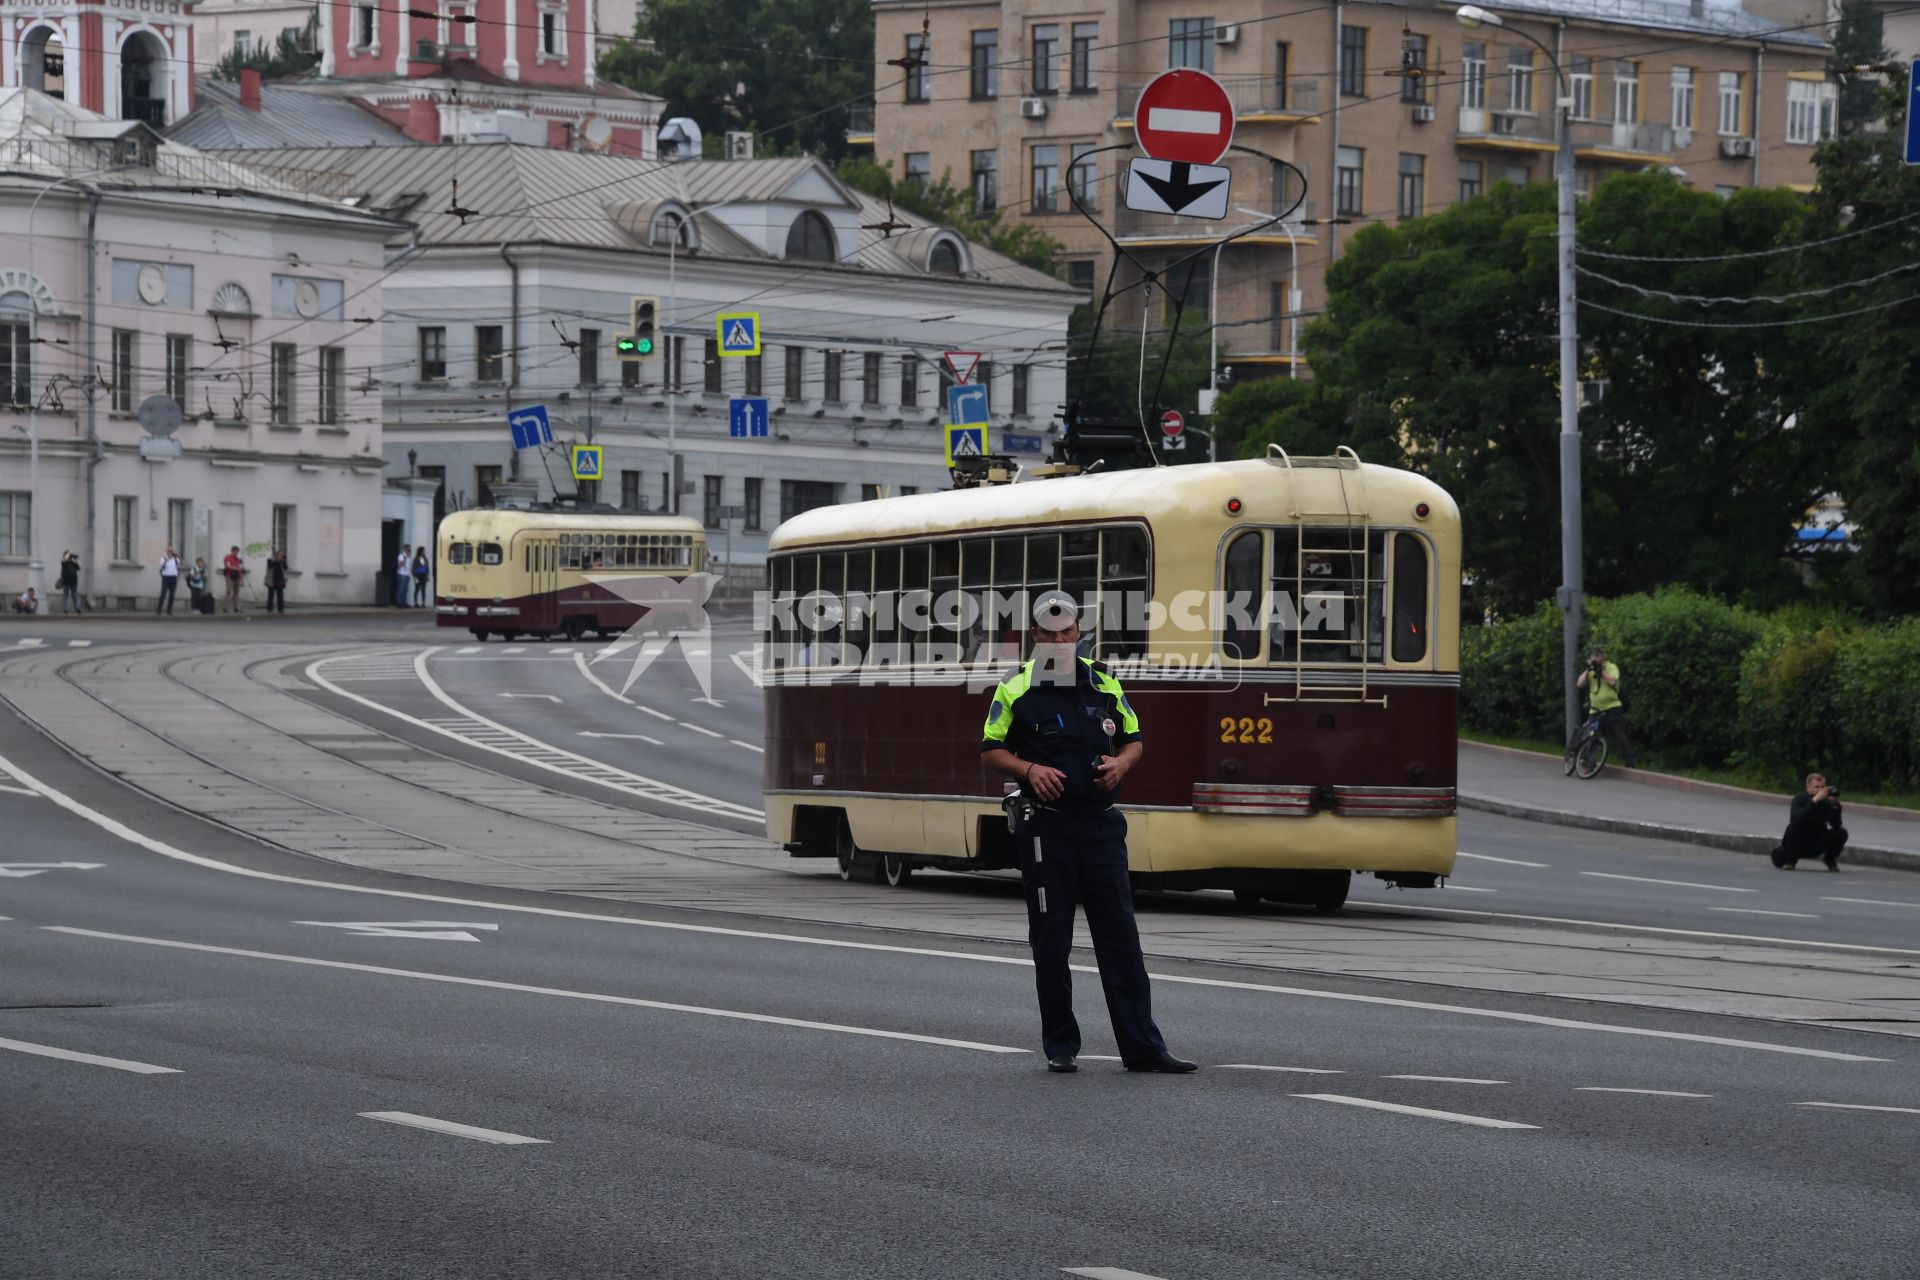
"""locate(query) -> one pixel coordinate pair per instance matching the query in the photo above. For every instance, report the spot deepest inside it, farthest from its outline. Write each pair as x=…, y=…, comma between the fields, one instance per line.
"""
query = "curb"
x=1862, y=855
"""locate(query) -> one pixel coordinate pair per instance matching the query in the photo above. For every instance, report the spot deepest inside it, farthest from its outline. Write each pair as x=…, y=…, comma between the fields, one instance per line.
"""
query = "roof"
x=289, y=116
x=506, y=521
x=530, y=195
x=1713, y=17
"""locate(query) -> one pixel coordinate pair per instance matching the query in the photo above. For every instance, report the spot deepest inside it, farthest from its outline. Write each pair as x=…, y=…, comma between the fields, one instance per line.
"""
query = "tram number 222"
x=1246, y=730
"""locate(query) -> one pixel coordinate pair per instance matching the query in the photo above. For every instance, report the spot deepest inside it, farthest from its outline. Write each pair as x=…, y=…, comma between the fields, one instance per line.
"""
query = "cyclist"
x=1603, y=702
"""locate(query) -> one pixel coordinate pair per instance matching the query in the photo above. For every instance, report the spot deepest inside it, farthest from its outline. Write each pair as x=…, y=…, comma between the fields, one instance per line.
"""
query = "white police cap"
x=1055, y=611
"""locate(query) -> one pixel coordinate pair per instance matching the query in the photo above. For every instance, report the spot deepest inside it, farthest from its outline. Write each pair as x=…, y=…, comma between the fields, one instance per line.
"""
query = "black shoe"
x=1062, y=1063
x=1165, y=1063
x=1833, y=861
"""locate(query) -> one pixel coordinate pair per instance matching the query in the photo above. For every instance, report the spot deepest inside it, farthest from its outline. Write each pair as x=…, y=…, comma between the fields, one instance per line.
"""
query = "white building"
x=516, y=299
x=138, y=272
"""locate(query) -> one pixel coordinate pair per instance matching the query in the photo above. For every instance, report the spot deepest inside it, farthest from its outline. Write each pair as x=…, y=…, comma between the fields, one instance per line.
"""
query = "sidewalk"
x=1528, y=784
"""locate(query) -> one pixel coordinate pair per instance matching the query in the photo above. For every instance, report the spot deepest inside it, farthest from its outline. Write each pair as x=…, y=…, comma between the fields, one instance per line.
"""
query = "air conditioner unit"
x=1228, y=34
x=1423, y=115
x=1033, y=108
x=739, y=145
x=1592, y=393
x=1736, y=148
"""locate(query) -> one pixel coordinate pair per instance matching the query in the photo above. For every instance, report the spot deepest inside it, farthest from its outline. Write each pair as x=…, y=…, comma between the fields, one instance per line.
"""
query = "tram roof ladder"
x=1343, y=461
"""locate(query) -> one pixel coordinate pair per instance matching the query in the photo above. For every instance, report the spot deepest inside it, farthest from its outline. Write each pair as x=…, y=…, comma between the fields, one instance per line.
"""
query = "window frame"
x=1049, y=200
x=283, y=389
x=983, y=66
x=1043, y=64
x=1083, y=70
x=431, y=348
x=1413, y=89
x=331, y=390
x=489, y=352
x=917, y=82
x=1190, y=44
x=1352, y=74
x=1683, y=89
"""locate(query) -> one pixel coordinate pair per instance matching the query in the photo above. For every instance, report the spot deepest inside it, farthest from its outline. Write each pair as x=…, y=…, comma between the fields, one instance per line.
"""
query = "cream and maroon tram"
x=1286, y=628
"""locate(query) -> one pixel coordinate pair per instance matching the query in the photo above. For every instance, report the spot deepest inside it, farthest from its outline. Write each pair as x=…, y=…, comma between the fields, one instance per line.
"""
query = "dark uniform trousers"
x=1073, y=860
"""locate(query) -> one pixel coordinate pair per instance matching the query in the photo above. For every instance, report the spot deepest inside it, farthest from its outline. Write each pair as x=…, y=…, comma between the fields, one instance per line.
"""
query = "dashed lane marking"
x=1467, y=888
x=1652, y=1093
x=659, y=715
x=496, y=1136
x=748, y=745
x=1860, y=1106
x=1372, y=1104
x=1487, y=857
x=518, y=648
x=1678, y=884
x=472, y=648
x=688, y=724
x=1299, y=1071
x=1447, y=1079
x=1875, y=902
x=31, y=644
x=1107, y=1273
x=1756, y=911
x=79, y=644
x=90, y=1059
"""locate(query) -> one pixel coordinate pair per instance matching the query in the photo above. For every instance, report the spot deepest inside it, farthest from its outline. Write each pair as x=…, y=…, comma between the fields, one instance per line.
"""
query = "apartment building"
x=1390, y=112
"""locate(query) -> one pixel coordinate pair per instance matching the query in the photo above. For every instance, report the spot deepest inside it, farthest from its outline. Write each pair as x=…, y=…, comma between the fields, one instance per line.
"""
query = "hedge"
x=1711, y=684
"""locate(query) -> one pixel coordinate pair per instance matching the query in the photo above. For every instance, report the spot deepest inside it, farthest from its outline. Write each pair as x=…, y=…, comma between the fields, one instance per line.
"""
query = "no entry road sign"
x=1172, y=423
x=1185, y=116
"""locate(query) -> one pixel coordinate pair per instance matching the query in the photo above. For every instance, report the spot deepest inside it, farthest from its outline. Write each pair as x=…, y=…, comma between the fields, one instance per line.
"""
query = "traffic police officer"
x=1062, y=728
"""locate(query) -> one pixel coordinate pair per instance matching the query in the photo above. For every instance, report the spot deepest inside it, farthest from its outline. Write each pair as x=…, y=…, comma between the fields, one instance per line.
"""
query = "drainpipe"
x=1759, y=57
x=93, y=434
x=513, y=329
x=1333, y=156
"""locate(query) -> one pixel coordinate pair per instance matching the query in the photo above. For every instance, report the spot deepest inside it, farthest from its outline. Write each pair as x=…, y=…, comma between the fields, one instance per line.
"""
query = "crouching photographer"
x=1813, y=828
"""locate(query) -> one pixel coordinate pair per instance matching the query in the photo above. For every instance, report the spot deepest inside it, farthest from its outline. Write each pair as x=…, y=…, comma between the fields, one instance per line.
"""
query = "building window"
x=983, y=375
x=676, y=362
x=1683, y=98
x=1191, y=288
x=283, y=528
x=710, y=366
x=484, y=478
x=1626, y=92
x=1353, y=61
x=796, y=358
x=710, y=501
x=797, y=496
x=1348, y=183
x=1080, y=274
x=1045, y=179
x=917, y=78
x=1731, y=103
x=986, y=181
x=589, y=357
x=1413, y=88
x=1282, y=60
x=1083, y=74
x=918, y=167
x=433, y=353
x=126, y=365
x=16, y=361
x=1473, y=76
x=242, y=42
x=179, y=361
x=553, y=33
x=1581, y=77
x=333, y=385
x=752, y=368
x=1810, y=109
x=909, y=381
x=1190, y=43
x=489, y=346
x=1473, y=179
x=16, y=525
x=1020, y=376
x=1520, y=80
x=830, y=376
x=281, y=411
x=943, y=259
x=1518, y=174
x=123, y=514
x=811, y=238
x=1413, y=185
x=180, y=526
x=870, y=378
x=1277, y=315
x=869, y=492
x=629, y=373
x=1082, y=173
x=1046, y=59
x=751, y=506
x=629, y=490
x=983, y=78
x=365, y=33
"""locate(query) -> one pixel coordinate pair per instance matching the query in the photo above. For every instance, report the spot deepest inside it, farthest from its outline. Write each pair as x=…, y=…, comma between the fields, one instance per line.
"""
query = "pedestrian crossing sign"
x=587, y=462
x=739, y=333
x=966, y=442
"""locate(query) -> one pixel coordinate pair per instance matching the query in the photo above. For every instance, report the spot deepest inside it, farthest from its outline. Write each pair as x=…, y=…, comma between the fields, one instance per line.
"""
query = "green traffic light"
x=644, y=346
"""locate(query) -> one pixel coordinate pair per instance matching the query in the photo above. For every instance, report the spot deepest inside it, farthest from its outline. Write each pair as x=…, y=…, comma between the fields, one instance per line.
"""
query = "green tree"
x=290, y=55
x=785, y=69
x=1859, y=39
x=949, y=206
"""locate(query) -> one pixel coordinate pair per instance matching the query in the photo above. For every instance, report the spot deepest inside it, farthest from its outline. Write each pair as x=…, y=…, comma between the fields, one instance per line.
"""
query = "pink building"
x=123, y=61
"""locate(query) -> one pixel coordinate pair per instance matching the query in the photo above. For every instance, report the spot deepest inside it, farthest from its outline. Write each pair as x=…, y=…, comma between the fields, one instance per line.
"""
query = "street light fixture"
x=1572, y=587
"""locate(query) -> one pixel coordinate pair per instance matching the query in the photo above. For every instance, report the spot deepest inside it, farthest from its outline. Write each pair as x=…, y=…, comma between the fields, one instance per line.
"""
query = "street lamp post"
x=1572, y=588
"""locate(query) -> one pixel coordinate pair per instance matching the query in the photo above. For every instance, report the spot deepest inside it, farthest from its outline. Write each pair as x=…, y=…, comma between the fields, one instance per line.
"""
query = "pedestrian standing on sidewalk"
x=277, y=582
x=1813, y=827
x=235, y=571
x=421, y=571
x=197, y=586
x=169, y=581
x=69, y=583
x=1604, y=701
x=402, y=570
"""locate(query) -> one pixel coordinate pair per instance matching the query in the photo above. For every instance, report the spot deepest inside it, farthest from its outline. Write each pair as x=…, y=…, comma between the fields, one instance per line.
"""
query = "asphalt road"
x=688, y=1096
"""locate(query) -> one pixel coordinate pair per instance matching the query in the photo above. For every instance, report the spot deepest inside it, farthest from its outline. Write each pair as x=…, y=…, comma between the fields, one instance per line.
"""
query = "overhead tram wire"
x=1751, y=324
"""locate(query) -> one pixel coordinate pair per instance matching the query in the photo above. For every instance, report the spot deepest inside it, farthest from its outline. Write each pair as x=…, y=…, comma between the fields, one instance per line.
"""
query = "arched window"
x=811, y=238
x=672, y=228
x=944, y=260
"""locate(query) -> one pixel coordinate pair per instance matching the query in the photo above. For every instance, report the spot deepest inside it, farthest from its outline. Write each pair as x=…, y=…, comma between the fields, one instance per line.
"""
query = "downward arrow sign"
x=21, y=870
x=1178, y=188
x=431, y=930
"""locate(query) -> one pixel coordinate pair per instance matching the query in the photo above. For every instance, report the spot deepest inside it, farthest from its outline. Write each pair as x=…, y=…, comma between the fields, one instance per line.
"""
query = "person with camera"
x=1813, y=827
x=1603, y=700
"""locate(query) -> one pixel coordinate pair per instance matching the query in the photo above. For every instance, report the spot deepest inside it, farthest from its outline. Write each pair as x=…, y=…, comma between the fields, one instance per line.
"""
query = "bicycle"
x=1587, y=753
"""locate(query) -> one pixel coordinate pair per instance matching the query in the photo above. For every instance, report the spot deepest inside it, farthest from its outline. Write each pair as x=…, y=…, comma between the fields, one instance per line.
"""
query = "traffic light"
x=640, y=344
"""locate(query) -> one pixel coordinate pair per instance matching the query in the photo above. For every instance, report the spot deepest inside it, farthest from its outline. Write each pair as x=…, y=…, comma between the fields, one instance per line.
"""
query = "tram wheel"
x=477, y=634
x=1329, y=892
x=509, y=636
x=895, y=869
x=855, y=862
x=575, y=628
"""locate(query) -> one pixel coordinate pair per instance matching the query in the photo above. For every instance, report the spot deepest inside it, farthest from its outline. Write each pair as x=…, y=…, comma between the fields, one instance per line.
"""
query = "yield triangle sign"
x=962, y=364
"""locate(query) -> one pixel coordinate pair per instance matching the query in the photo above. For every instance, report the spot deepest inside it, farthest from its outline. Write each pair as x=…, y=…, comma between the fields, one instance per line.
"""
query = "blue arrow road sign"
x=967, y=405
x=747, y=417
x=530, y=426
x=1913, y=99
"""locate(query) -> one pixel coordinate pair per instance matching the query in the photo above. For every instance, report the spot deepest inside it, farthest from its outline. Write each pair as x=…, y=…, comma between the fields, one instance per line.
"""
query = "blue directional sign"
x=967, y=405
x=1913, y=100
x=739, y=333
x=747, y=417
x=1012, y=443
x=530, y=426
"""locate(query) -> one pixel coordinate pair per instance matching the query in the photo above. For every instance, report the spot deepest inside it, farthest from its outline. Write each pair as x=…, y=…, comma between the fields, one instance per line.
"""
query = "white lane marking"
x=1098, y=1057
x=1875, y=902
x=412, y=1121
x=1298, y=1071
x=660, y=715
x=743, y=660
x=21, y=870
x=580, y=665
x=79, y=644
x=427, y=930
x=1487, y=857
x=90, y=1059
x=1177, y=120
x=1652, y=1093
x=472, y=648
x=1447, y=1079
x=1467, y=888
x=20, y=791
x=1107, y=1273
x=688, y=724
x=518, y=648
x=1859, y=1106
x=31, y=644
x=587, y=733
x=748, y=745
x=598, y=997
x=561, y=649
x=124, y=832
x=532, y=696
x=1679, y=884
x=1756, y=911
x=1484, y=1122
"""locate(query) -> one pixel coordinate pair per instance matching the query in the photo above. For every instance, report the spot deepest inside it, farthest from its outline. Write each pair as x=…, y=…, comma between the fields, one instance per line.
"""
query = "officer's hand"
x=1045, y=782
x=1108, y=771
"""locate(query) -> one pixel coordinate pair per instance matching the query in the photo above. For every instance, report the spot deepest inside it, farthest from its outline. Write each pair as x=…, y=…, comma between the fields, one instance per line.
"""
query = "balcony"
x=1148, y=230
x=1256, y=99
x=1628, y=140
x=860, y=126
x=151, y=111
x=1506, y=130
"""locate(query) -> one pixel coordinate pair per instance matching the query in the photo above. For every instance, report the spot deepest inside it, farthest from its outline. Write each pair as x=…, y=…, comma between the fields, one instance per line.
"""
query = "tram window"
x=943, y=631
x=859, y=602
x=976, y=583
x=833, y=590
x=780, y=630
x=1043, y=561
x=1245, y=593
x=1080, y=572
x=976, y=562
x=459, y=553
x=1009, y=601
x=1123, y=593
x=490, y=553
x=1409, y=598
x=1329, y=586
